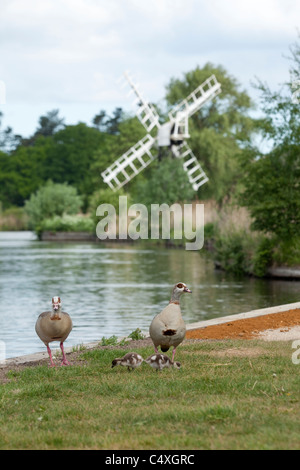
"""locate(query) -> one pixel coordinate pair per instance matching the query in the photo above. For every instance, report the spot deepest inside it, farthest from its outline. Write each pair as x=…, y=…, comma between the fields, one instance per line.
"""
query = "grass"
x=217, y=400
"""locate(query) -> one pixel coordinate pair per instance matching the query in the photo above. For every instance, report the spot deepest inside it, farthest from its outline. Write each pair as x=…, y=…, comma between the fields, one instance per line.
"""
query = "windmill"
x=170, y=134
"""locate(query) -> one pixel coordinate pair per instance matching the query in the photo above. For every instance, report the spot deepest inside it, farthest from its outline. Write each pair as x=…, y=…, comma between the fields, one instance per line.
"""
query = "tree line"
x=77, y=154
x=224, y=136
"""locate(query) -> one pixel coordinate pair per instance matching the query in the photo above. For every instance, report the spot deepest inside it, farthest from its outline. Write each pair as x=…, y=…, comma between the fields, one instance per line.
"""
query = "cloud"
x=71, y=51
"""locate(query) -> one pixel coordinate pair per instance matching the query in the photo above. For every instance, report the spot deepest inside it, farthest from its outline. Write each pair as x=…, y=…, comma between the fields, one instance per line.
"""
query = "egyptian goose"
x=160, y=361
x=131, y=360
x=167, y=328
x=54, y=326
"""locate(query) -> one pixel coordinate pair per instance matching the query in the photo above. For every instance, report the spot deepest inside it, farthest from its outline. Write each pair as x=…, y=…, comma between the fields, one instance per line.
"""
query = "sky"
x=70, y=54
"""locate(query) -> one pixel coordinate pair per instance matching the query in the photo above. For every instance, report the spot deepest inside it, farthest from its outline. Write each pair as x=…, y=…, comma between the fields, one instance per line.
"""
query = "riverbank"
x=272, y=323
x=277, y=272
x=228, y=394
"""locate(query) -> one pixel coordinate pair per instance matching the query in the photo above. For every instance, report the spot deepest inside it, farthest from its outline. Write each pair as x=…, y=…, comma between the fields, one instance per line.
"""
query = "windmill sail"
x=171, y=133
x=190, y=105
x=197, y=176
x=130, y=163
x=205, y=92
x=146, y=113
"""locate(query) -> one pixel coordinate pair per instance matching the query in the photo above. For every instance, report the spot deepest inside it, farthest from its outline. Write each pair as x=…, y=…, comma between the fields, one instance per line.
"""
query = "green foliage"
x=8, y=140
x=287, y=252
x=136, y=334
x=219, y=130
x=106, y=196
x=67, y=155
x=230, y=253
x=272, y=181
x=236, y=248
x=111, y=341
x=68, y=223
x=51, y=200
x=72, y=156
x=263, y=257
x=272, y=192
x=167, y=182
x=209, y=230
x=50, y=123
x=77, y=154
x=23, y=172
x=130, y=131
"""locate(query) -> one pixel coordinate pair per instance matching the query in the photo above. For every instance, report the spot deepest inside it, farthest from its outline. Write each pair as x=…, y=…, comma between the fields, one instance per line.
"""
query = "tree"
x=23, y=171
x=50, y=123
x=272, y=192
x=48, y=126
x=167, y=183
x=109, y=124
x=113, y=147
x=272, y=180
x=99, y=121
x=219, y=130
x=8, y=140
x=72, y=155
x=112, y=124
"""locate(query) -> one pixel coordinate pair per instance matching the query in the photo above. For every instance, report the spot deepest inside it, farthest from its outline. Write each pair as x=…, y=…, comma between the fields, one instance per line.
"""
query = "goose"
x=131, y=360
x=168, y=328
x=160, y=361
x=54, y=326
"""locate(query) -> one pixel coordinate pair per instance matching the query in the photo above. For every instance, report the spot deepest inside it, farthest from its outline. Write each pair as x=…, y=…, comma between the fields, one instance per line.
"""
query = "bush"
x=105, y=196
x=230, y=253
x=263, y=257
x=287, y=252
x=209, y=230
x=68, y=223
x=51, y=200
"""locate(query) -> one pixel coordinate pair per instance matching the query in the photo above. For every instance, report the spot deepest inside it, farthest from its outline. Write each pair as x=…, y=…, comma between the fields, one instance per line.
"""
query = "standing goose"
x=54, y=326
x=160, y=361
x=167, y=328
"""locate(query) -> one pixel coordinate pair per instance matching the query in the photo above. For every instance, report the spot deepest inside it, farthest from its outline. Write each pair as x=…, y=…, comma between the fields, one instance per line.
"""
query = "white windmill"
x=171, y=134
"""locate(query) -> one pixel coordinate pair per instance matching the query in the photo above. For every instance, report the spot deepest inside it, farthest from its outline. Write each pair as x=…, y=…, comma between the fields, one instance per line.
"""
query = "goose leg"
x=173, y=354
x=64, y=361
x=50, y=355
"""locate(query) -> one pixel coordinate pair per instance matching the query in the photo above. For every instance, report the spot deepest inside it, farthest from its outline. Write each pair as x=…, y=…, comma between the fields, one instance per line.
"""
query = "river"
x=114, y=289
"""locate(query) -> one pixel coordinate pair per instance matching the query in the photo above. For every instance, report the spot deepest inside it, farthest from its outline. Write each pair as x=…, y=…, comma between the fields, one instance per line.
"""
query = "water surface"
x=114, y=289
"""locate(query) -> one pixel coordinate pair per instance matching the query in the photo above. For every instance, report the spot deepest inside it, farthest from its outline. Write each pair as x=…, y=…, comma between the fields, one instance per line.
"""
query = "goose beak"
x=187, y=290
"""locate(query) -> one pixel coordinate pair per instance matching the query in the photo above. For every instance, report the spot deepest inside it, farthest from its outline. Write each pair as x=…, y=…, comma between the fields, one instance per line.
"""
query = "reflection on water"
x=114, y=289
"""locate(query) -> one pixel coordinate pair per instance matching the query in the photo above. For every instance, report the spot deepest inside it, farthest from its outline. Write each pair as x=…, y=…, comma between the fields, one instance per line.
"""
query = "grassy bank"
x=226, y=396
x=238, y=249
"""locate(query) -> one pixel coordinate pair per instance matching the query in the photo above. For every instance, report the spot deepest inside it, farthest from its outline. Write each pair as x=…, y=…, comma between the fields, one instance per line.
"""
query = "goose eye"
x=180, y=286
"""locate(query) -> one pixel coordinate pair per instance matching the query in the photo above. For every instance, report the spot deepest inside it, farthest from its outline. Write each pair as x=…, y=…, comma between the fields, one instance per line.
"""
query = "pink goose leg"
x=64, y=361
x=50, y=355
x=173, y=354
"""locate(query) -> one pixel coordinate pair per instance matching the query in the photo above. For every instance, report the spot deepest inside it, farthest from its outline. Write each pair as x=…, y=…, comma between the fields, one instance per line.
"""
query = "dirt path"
x=248, y=328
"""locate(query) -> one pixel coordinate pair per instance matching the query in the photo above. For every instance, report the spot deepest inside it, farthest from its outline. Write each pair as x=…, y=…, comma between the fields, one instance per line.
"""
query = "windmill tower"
x=170, y=134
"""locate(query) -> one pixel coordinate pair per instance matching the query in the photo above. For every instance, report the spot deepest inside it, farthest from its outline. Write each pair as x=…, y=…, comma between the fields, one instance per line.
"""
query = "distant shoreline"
x=273, y=272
